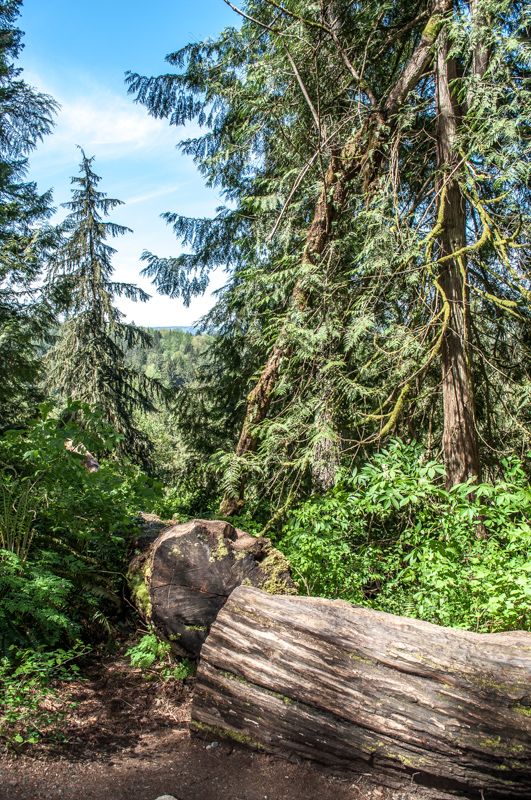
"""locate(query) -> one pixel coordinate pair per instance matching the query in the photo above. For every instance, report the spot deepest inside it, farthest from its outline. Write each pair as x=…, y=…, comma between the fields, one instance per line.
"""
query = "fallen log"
x=90, y=462
x=369, y=692
x=184, y=574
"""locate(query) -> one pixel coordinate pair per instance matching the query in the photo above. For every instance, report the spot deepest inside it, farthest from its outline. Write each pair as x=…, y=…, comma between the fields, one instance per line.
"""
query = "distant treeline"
x=171, y=356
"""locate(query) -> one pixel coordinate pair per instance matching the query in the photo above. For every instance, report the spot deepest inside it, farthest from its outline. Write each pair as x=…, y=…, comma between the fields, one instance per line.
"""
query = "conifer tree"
x=88, y=361
x=374, y=160
x=26, y=116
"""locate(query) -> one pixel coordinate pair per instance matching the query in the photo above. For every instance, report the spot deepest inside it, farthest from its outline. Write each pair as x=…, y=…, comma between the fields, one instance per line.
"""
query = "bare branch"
x=304, y=91
x=251, y=19
x=290, y=59
x=310, y=22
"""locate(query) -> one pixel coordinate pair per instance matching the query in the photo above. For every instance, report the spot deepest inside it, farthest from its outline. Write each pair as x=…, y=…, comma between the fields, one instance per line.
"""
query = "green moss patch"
x=275, y=571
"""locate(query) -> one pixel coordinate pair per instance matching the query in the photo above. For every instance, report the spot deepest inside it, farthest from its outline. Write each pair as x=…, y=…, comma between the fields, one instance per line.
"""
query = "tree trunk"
x=360, y=156
x=481, y=54
x=460, y=446
x=369, y=692
x=326, y=453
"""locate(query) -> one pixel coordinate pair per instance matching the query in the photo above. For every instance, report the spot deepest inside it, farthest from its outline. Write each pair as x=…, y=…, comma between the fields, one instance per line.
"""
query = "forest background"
x=360, y=389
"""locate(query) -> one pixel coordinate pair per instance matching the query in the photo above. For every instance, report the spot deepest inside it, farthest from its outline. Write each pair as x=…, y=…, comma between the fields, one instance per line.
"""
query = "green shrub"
x=16, y=517
x=35, y=601
x=390, y=536
x=64, y=531
x=154, y=656
x=29, y=706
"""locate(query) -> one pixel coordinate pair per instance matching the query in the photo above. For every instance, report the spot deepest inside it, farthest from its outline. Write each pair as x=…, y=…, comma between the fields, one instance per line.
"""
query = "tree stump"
x=369, y=692
x=186, y=573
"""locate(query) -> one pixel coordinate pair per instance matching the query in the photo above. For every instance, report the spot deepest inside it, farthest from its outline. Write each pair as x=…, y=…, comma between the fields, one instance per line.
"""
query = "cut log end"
x=187, y=573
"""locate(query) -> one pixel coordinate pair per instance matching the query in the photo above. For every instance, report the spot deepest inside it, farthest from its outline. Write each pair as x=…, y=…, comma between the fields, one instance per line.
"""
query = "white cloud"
x=109, y=124
x=101, y=121
x=106, y=124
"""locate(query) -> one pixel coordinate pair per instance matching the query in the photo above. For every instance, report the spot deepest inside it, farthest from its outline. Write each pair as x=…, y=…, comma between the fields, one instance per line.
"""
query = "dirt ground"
x=127, y=739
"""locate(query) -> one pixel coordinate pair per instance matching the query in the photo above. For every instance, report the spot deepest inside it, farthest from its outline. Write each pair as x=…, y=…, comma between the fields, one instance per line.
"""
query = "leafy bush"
x=35, y=601
x=64, y=531
x=390, y=536
x=16, y=517
x=29, y=710
x=154, y=656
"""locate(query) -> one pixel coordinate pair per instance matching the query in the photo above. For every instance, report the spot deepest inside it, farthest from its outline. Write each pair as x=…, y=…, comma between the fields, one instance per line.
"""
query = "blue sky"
x=78, y=51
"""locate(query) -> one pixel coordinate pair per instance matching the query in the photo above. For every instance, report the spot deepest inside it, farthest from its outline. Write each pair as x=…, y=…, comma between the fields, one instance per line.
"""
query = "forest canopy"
x=373, y=160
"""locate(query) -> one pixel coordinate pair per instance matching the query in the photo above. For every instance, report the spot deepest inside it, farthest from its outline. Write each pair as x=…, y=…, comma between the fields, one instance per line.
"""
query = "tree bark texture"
x=364, y=691
x=460, y=445
x=361, y=156
x=185, y=573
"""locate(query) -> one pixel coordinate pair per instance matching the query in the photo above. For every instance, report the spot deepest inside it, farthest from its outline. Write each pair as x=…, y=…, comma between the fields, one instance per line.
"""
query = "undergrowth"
x=390, y=536
x=64, y=532
x=154, y=657
x=31, y=709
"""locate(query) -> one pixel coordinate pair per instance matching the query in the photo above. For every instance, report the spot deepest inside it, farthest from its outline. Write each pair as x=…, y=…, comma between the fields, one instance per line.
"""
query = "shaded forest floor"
x=128, y=738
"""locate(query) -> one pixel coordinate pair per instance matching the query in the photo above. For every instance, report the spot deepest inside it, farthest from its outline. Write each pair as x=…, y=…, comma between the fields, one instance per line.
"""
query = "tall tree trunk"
x=460, y=444
x=326, y=453
x=360, y=156
x=481, y=54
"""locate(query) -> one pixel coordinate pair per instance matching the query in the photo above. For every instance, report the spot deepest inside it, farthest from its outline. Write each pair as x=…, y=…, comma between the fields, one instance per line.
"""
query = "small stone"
x=166, y=797
x=212, y=745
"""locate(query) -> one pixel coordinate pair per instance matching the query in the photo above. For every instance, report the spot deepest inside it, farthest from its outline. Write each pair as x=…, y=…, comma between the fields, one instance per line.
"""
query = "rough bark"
x=361, y=156
x=369, y=692
x=185, y=573
x=481, y=54
x=460, y=446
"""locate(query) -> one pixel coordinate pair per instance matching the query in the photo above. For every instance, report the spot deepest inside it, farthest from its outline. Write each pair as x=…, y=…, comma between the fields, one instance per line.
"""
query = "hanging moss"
x=432, y=28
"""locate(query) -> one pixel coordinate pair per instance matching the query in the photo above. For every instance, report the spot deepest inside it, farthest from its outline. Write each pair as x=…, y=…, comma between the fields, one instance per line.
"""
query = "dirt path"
x=128, y=739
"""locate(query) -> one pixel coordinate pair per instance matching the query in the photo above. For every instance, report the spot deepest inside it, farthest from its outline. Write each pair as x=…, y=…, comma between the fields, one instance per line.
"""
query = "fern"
x=17, y=517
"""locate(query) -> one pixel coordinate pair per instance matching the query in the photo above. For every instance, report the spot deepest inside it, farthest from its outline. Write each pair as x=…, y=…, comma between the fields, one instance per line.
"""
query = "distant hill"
x=185, y=328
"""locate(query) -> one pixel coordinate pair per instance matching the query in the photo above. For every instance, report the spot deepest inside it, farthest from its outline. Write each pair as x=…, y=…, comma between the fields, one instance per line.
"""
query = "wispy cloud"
x=108, y=125
x=102, y=121
x=147, y=196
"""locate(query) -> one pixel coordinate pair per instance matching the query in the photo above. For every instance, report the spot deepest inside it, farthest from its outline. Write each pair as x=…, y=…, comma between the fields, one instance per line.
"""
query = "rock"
x=166, y=797
x=185, y=574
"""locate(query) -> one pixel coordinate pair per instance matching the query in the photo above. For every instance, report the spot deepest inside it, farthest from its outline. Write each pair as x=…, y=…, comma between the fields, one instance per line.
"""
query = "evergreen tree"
x=374, y=160
x=88, y=362
x=26, y=116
